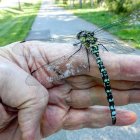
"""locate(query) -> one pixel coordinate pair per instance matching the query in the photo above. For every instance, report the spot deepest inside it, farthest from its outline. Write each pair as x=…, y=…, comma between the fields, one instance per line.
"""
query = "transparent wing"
x=133, y=18
x=126, y=24
x=64, y=39
x=62, y=67
x=116, y=46
x=47, y=71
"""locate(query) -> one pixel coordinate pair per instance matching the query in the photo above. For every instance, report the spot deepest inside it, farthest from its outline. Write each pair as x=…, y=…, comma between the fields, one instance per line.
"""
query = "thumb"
x=29, y=99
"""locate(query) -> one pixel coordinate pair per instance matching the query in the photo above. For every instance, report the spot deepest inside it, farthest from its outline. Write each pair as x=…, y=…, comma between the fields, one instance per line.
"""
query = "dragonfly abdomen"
x=95, y=51
x=89, y=41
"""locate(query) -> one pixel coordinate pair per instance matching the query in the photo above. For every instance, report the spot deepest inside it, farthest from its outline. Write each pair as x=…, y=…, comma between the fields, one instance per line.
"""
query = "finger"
x=5, y=117
x=119, y=67
x=97, y=96
x=97, y=117
x=125, y=85
x=29, y=100
x=82, y=82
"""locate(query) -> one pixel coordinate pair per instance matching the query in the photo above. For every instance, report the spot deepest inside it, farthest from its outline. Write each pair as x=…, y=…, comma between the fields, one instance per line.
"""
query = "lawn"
x=15, y=24
x=129, y=32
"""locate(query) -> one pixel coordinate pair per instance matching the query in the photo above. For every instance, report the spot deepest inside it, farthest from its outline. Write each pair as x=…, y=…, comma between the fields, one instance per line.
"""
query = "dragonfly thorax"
x=87, y=38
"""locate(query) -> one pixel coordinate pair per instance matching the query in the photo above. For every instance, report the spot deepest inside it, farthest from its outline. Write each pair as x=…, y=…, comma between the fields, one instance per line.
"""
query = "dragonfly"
x=90, y=41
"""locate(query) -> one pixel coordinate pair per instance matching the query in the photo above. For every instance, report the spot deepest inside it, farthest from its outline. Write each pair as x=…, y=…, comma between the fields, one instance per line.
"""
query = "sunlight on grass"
x=15, y=24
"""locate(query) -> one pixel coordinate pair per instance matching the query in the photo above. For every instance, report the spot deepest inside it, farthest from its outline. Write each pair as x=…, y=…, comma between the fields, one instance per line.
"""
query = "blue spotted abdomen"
x=95, y=51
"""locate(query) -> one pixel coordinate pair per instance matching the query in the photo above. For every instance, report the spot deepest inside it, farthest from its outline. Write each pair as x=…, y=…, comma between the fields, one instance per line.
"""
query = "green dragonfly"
x=89, y=41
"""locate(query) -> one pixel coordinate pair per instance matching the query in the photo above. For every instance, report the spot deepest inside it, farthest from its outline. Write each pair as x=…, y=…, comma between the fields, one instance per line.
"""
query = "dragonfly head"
x=87, y=38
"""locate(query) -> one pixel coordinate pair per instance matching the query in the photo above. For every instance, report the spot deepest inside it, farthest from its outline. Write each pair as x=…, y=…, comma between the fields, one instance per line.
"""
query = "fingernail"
x=128, y=117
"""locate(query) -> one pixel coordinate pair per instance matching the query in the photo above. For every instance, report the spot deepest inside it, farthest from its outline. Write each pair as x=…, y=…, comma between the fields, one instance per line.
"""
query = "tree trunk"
x=71, y=3
x=84, y=1
x=65, y=1
x=91, y=1
x=80, y=3
x=19, y=5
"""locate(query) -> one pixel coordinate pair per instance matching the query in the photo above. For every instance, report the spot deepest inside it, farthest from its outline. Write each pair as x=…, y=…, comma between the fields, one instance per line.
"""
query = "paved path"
x=53, y=21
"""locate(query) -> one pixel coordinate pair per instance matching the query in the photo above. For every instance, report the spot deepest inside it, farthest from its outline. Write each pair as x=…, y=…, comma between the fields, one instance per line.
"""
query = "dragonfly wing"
x=61, y=68
x=116, y=46
x=133, y=18
x=49, y=72
x=64, y=39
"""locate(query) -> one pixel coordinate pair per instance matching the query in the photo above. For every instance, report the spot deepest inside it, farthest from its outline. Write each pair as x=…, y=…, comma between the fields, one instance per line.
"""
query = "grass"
x=15, y=24
x=101, y=16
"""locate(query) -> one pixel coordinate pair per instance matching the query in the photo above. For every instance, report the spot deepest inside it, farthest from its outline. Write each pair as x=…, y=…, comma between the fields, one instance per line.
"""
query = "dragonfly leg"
x=75, y=44
x=88, y=58
x=76, y=51
x=103, y=47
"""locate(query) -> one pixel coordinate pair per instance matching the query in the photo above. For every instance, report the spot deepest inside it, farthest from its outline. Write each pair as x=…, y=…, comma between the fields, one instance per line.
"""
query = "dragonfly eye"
x=78, y=35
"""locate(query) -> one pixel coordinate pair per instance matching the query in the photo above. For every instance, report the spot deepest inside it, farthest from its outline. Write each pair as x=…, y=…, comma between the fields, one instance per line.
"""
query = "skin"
x=33, y=107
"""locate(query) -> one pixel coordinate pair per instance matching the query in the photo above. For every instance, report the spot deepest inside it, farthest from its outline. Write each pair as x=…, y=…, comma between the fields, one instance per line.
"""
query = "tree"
x=80, y=3
x=65, y=1
x=19, y=5
x=72, y=3
x=119, y=6
x=91, y=1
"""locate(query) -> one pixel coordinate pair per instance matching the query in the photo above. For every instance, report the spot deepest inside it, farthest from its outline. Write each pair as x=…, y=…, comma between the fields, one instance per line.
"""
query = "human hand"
x=21, y=105
x=70, y=101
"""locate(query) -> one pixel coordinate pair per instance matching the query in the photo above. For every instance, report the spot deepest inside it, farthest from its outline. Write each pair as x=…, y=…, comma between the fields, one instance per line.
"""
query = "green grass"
x=15, y=24
x=101, y=16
